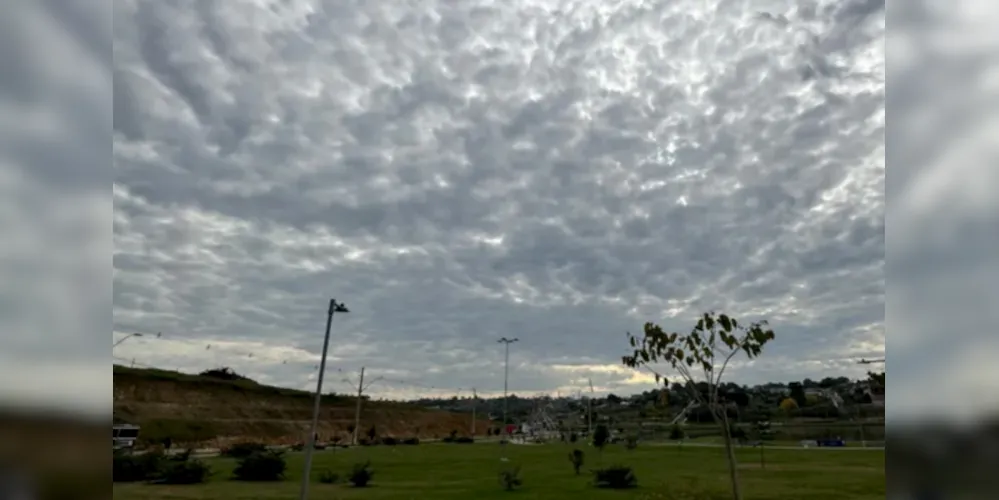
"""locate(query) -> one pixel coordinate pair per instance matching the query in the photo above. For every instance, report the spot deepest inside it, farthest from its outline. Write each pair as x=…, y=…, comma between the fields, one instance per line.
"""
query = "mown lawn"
x=462, y=472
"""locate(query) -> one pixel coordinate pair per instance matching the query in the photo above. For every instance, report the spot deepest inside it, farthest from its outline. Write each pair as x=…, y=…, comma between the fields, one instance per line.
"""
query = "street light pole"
x=357, y=410
x=506, y=379
x=335, y=307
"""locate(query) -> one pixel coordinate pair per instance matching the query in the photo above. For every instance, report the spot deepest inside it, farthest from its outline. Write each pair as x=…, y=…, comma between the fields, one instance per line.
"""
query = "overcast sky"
x=455, y=171
x=460, y=171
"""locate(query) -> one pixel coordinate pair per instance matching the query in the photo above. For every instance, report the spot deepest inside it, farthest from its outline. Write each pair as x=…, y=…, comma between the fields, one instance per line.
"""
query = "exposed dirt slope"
x=201, y=411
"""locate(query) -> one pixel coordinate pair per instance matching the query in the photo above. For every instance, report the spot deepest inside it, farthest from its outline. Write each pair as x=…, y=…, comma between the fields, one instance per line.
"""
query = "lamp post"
x=506, y=378
x=361, y=387
x=335, y=307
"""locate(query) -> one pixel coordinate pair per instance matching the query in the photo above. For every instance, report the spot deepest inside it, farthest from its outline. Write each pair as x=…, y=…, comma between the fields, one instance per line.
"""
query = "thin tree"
x=713, y=342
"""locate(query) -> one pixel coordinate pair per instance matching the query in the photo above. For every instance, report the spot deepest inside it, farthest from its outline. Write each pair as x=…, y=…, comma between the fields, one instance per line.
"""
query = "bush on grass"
x=187, y=471
x=361, y=474
x=156, y=467
x=464, y=440
x=601, y=436
x=411, y=441
x=390, y=441
x=243, y=450
x=129, y=468
x=577, y=459
x=631, y=442
x=676, y=433
x=260, y=466
x=510, y=479
x=329, y=477
x=615, y=477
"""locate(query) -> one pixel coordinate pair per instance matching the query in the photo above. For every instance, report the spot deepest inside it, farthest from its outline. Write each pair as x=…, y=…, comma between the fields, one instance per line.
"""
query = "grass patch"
x=444, y=472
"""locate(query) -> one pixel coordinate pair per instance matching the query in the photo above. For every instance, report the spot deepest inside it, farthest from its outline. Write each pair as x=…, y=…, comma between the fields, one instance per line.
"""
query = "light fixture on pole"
x=126, y=337
x=335, y=307
x=506, y=379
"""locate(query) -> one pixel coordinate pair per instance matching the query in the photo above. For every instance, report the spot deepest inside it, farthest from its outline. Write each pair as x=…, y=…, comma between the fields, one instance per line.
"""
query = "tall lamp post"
x=335, y=307
x=506, y=379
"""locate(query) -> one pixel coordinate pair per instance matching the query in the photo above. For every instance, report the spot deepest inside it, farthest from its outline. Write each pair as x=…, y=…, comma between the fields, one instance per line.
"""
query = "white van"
x=123, y=436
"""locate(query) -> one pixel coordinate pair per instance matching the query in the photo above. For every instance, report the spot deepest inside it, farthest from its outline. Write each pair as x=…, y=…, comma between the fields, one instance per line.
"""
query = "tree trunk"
x=733, y=466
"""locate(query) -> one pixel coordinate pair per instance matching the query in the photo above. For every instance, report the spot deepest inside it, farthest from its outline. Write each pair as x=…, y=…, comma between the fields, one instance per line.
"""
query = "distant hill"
x=221, y=407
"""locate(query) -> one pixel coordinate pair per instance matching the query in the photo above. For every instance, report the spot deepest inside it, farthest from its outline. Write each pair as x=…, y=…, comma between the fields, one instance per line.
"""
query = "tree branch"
x=725, y=365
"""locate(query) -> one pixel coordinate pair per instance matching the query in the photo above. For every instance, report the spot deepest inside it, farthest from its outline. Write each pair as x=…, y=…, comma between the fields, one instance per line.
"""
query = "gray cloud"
x=458, y=171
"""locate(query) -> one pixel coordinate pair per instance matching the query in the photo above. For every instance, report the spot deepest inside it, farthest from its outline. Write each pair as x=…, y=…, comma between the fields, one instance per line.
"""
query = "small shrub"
x=631, y=442
x=297, y=447
x=223, y=373
x=128, y=468
x=243, y=450
x=676, y=433
x=411, y=441
x=464, y=440
x=329, y=477
x=361, y=474
x=260, y=466
x=573, y=437
x=601, y=436
x=372, y=434
x=577, y=460
x=616, y=477
x=184, y=472
x=390, y=441
x=510, y=479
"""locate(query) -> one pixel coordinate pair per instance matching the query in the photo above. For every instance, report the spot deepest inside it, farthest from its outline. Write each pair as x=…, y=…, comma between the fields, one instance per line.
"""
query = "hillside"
x=193, y=410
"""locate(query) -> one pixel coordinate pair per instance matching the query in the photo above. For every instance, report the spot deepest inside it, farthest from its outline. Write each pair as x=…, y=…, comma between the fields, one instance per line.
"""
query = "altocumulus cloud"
x=459, y=171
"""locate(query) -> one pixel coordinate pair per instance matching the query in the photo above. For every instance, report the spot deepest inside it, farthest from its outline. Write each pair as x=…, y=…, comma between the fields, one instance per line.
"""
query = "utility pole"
x=475, y=399
x=357, y=410
x=506, y=379
x=335, y=307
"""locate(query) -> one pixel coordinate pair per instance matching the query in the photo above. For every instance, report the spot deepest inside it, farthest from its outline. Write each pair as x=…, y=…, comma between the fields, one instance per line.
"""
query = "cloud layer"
x=459, y=171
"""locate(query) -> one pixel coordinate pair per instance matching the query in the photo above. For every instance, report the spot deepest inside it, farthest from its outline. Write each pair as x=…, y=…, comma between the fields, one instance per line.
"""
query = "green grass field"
x=443, y=472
